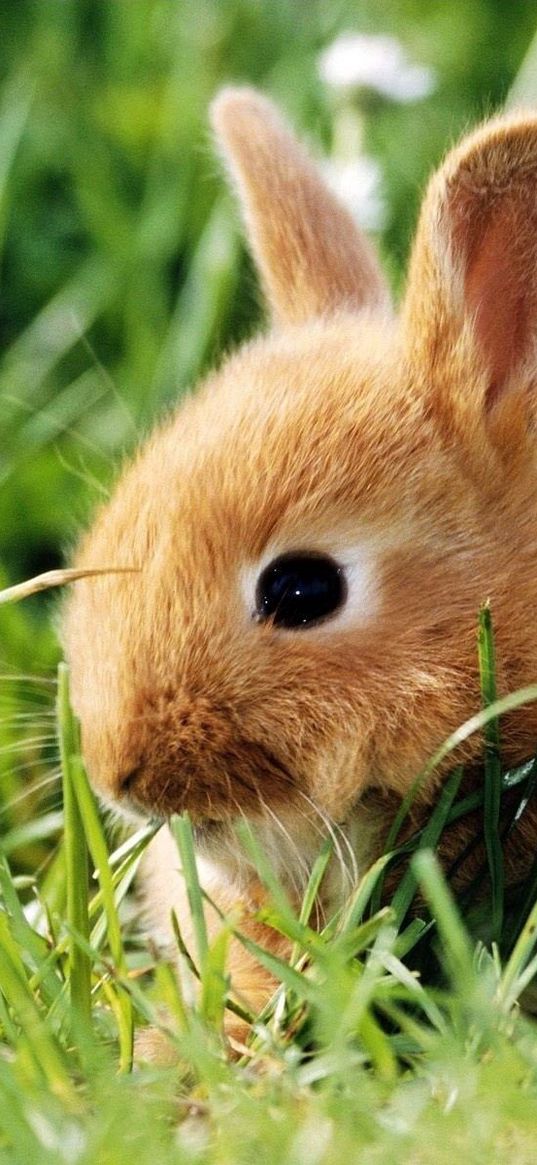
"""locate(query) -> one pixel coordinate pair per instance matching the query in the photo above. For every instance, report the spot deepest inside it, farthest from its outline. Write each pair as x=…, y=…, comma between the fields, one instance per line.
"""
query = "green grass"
x=357, y=1056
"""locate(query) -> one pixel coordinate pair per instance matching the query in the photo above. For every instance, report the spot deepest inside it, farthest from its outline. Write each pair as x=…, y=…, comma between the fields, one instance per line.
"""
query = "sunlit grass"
x=355, y=1052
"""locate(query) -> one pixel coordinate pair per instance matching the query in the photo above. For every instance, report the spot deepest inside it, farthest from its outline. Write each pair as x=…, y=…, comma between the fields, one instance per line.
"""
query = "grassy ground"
x=357, y=1057
x=122, y=277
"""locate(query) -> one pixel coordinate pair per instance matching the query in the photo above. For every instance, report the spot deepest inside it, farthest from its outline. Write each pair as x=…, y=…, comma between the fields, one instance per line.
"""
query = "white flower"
x=358, y=185
x=380, y=63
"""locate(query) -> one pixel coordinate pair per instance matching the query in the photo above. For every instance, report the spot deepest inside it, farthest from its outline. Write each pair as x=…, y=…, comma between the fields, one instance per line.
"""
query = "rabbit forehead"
x=321, y=375
x=313, y=426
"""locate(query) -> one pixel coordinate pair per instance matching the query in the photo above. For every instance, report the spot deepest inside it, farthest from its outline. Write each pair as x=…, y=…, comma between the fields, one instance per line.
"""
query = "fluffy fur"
x=411, y=438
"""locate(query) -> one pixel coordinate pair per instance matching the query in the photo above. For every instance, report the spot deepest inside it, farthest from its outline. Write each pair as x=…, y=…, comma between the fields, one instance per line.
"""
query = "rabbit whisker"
x=346, y=861
x=31, y=790
x=47, y=739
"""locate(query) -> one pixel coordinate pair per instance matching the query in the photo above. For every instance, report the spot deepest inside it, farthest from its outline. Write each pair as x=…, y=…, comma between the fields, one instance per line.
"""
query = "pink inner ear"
x=499, y=284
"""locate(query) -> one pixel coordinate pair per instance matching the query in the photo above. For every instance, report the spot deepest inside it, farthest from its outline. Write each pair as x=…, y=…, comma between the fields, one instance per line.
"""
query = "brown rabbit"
x=317, y=527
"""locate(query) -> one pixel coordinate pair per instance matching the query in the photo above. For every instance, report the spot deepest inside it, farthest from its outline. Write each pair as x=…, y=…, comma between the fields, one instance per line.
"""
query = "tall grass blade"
x=96, y=843
x=429, y=838
x=368, y=891
x=181, y=828
x=76, y=858
x=492, y=771
x=519, y=957
x=215, y=980
x=254, y=850
x=456, y=946
x=315, y=879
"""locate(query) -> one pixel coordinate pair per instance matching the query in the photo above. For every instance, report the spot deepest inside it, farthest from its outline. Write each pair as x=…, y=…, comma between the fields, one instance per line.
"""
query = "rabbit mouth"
x=215, y=791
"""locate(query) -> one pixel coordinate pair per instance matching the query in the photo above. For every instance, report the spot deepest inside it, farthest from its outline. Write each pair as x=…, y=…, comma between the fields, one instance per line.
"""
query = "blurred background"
x=123, y=274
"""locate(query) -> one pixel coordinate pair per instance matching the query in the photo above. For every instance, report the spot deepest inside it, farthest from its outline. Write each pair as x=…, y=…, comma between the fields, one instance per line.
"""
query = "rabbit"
x=309, y=538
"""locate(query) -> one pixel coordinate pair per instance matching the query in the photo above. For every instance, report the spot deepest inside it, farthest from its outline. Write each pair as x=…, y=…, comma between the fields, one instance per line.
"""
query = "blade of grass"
x=422, y=1035
x=92, y=828
x=266, y=874
x=353, y=911
x=7, y=1026
x=456, y=945
x=76, y=859
x=317, y=874
x=215, y=981
x=411, y=935
x=247, y=1016
x=301, y=984
x=183, y=949
x=133, y=846
x=378, y=1045
x=168, y=985
x=493, y=771
x=522, y=912
x=519, y=957
x=99, y=853
x=415, y=990
x=429, y=838
x=362, y=980
x=121, y=889
x=355, y=939
x=522, y=981
x=181, y=828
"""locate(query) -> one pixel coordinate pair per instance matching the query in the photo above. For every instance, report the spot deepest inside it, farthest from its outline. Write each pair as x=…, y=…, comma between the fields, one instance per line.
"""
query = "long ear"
x=311, y=256
x=472, y=290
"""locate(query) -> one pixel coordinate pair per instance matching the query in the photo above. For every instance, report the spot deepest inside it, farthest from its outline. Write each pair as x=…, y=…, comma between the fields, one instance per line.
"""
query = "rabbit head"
x=313, y=531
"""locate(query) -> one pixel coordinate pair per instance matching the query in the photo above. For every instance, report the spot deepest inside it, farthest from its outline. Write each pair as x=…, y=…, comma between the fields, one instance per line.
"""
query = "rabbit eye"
x=296, y=590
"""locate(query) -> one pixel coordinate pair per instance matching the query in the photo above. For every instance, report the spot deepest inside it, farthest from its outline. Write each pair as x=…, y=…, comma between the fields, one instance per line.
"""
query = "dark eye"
x=298, y=589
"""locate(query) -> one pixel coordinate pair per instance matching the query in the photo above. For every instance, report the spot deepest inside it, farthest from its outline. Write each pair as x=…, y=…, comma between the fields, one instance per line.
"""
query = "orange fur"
x=405, y=442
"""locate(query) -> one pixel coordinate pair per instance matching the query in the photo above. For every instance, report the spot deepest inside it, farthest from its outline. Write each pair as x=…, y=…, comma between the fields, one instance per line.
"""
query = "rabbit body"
x=401, y=449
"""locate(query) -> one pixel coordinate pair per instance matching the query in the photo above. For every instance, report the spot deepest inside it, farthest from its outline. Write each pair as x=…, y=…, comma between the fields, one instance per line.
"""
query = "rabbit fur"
x=404, y=447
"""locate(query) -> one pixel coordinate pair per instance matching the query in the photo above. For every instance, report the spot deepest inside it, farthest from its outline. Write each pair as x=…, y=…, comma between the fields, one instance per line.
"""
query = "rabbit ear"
x=472, y=287
x=311, y=256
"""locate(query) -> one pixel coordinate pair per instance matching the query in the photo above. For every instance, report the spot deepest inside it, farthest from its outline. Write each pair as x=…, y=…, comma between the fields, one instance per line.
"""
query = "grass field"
x=357, y=1057
x=393, y=1037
